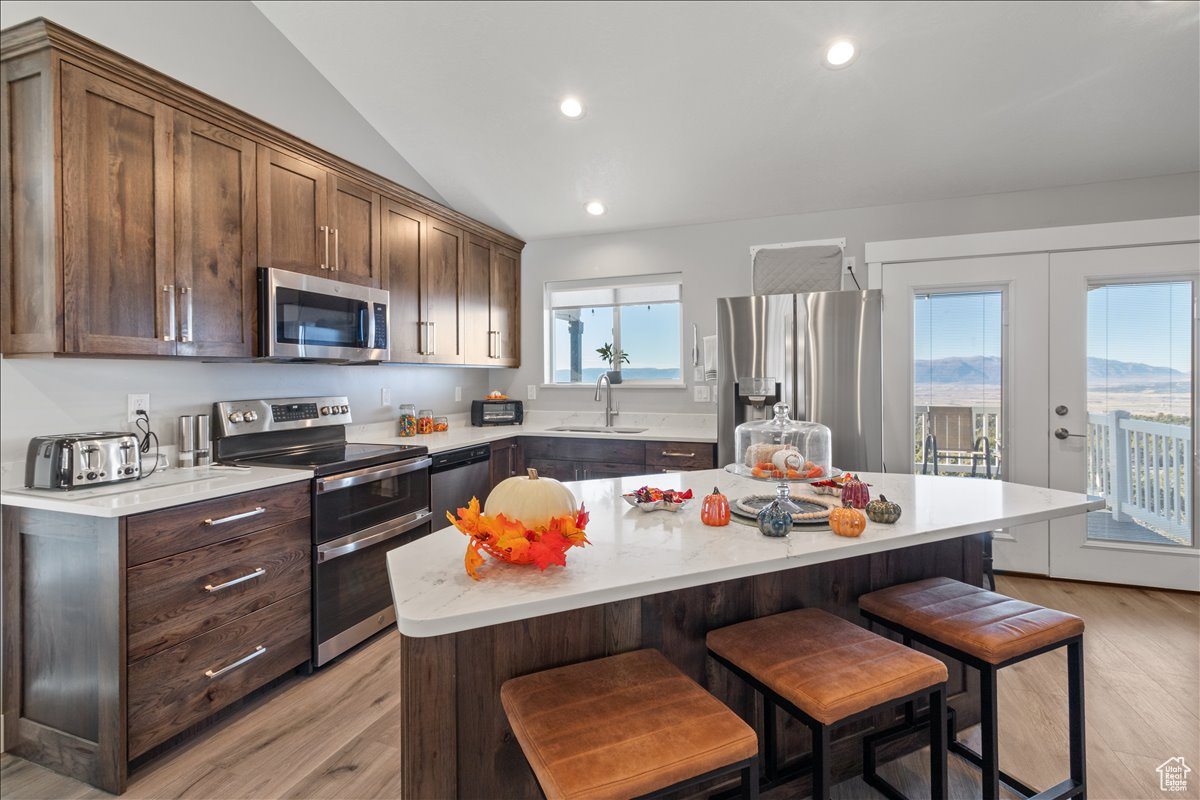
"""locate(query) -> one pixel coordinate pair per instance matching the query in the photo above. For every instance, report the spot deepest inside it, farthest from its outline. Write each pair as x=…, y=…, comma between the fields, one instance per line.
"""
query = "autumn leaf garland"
x=509, y=540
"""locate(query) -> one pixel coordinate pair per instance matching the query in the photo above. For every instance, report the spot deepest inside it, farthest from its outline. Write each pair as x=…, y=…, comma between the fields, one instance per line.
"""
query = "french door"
x=1073, y=370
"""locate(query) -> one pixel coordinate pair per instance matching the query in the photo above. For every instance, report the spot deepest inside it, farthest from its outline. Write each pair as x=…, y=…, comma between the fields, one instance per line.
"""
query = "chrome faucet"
x=609, y=411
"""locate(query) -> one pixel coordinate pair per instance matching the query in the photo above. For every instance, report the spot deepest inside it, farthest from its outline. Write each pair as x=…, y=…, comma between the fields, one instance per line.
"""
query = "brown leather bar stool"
x=825, y=671
x=989, y=631
x=630, y=725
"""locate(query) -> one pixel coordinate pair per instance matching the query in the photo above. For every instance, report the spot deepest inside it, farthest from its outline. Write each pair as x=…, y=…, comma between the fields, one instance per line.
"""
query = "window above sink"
x=639, y=316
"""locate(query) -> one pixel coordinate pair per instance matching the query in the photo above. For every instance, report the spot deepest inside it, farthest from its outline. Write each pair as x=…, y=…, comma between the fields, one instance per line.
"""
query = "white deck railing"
x=1143, y=469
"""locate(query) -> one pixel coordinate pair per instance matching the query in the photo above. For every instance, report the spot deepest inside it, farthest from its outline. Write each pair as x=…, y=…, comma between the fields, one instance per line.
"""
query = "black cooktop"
x=336, y=458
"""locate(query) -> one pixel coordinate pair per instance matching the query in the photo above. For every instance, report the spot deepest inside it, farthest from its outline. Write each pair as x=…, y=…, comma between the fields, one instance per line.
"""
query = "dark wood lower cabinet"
x=455, y=740
x=506, y=461
x=104, y=660
x=569, y=459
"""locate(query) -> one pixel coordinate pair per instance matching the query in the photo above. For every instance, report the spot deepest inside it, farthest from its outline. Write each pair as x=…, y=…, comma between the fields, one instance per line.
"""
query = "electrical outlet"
x=701, y=393
x=458, y=394
x=531, y=392
x=136, y=403
x=385, y=397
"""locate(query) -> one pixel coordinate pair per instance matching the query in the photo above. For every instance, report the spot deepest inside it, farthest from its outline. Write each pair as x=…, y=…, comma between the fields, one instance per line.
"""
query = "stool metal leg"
x=1075, y=713
x=750, y=780
x=770, y=745
x=990, y=750
x=821, y=783
x=938, y=780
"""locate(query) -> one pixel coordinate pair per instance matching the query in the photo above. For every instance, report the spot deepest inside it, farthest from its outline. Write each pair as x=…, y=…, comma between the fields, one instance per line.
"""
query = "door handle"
x=499, y=345
x=325, y=263
x=337, y=259
x=432, y=339
x=422, y=339
x=216, y=673
x=185, y=329
x=169, y=312
x=1063, y=433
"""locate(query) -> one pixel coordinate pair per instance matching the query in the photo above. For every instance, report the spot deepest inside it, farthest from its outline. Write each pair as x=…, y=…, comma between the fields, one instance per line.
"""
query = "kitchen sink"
x=596, y=429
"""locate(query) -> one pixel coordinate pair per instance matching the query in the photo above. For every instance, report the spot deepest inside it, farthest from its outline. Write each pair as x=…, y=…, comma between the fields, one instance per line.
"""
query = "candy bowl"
x=649, y=498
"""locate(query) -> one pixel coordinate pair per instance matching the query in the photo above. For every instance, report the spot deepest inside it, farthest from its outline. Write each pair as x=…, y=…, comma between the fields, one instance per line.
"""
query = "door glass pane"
x=1140, y=427
x=957, y=384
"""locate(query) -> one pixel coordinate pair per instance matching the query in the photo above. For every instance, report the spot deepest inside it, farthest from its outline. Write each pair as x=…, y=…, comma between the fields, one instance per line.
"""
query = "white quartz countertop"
x=658, y=427
x=635, y=553
x=171, y=487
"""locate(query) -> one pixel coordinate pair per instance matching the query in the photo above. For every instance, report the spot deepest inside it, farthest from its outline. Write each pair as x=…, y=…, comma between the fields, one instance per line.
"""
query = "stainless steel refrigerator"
x=817, y=352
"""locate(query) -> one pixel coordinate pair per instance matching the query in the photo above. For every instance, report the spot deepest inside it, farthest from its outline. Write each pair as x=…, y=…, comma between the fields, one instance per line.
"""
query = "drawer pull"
x=235, y=517
x=258, y=573
x=258, y=651
x=673, y=454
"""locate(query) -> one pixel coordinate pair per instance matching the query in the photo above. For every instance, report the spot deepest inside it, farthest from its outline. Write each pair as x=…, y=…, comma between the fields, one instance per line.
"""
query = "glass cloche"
x=782, y=449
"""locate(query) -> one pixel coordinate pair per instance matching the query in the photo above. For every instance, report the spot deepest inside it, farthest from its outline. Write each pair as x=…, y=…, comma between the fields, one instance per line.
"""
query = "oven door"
x=309, y=318
x=352, y=598
x=351, y=502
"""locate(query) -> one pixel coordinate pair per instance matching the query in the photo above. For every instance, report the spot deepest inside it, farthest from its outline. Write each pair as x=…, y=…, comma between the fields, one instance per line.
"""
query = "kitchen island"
x=662, y=580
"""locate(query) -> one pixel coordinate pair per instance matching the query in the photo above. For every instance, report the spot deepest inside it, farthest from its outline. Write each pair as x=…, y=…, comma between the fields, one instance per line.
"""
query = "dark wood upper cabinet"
x=491, y=304
x=119, y=287
x=134, y=211
x=402, y=256
x=441, y=289
x=504, y=308
x=354, y=219
x=293, y=215
x=215, y=239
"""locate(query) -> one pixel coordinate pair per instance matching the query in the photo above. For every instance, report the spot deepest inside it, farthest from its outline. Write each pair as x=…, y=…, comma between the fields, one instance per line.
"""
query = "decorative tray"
x=814, y=509
x=743, y=471
x=650, y=499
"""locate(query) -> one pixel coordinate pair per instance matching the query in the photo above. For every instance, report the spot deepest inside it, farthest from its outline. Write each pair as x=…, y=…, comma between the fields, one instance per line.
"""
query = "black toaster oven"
x=497, y=412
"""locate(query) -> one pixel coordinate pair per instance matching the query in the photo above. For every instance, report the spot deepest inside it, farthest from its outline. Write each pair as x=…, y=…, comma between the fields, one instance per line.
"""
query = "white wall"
x=715, y=259
x=231, y=51
x=64, y=395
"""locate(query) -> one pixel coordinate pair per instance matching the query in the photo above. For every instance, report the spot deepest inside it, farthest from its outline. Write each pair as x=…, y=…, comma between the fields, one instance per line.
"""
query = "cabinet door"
x=402, y=234
x=215, y=239
x=505, y=307
x=442, y=294
x=556, y=468
x=478, y=340
x=354, y=217
x=506, y=460
x=293, y=214
x=118, y=292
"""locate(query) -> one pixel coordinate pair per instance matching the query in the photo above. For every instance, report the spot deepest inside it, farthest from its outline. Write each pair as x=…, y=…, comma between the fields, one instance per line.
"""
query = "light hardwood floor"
x=334, y=735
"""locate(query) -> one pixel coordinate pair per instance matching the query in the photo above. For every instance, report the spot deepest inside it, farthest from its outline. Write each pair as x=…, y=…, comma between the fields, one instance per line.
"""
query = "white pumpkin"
x=532, y=500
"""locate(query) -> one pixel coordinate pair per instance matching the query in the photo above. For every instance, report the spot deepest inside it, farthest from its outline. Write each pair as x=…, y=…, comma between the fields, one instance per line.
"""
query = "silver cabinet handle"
x=421, y=337
x=337, y=260
x=169, y=312
x=234, y=517
x=185, y=328
x=258, y=573
x=216, y=673
x=432, y=339
x=673, y=454
x=499, y=345
x=1063, y=433
x=325, y=263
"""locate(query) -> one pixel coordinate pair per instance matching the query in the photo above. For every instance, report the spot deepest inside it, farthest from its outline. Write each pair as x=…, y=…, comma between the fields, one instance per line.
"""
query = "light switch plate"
x=458, y=394
x=701, y=393
x=385, y=396
x=531, y=392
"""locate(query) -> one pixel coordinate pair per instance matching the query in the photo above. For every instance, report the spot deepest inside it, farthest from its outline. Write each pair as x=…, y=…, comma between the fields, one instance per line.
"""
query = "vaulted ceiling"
x=711, y=111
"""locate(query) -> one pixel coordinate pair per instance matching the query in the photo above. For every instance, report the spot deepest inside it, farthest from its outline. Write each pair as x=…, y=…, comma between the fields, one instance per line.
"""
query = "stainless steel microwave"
x=305, y=318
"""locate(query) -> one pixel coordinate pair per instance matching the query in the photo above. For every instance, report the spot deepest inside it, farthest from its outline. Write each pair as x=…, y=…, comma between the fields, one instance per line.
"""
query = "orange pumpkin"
x=847, y=521
x=715, y=509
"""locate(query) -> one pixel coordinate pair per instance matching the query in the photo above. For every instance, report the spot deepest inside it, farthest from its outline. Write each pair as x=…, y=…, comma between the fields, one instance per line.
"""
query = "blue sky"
x=649, y=334
x=1146, y=323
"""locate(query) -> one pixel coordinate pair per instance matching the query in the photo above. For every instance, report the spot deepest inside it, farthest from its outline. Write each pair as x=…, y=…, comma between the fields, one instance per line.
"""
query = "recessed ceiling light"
x=595, y=208
x=571, y=107
x=840, y=54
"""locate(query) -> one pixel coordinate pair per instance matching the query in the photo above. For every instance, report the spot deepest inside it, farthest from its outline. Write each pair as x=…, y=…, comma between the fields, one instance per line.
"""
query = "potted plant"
x=614, y=357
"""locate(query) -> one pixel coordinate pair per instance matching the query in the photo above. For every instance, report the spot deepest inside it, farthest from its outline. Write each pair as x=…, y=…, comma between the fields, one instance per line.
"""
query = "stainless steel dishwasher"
x=456, y=476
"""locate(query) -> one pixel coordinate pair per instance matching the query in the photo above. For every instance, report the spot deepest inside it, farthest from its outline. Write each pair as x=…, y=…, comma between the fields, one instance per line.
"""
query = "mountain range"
x=987, y=369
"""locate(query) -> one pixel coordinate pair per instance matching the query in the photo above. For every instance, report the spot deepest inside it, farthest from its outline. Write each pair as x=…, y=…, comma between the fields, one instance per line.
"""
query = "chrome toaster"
x=76, y=460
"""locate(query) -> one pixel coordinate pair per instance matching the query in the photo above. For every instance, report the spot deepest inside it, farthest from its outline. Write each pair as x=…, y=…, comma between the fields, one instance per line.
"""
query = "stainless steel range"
x=367, y=499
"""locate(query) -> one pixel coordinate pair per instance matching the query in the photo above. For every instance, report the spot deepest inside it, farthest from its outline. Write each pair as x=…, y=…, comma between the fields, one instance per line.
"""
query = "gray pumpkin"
x=883, y=510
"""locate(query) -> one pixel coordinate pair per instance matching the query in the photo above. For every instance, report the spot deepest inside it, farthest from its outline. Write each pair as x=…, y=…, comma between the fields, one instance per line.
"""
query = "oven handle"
x=341, y=547
x=347, y=479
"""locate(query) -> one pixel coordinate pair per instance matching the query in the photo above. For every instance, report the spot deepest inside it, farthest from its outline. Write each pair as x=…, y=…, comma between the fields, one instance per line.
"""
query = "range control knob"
x=91, y=476
x=324, y=411
x=345, y=409
x=235, y=417
x=250, y=416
